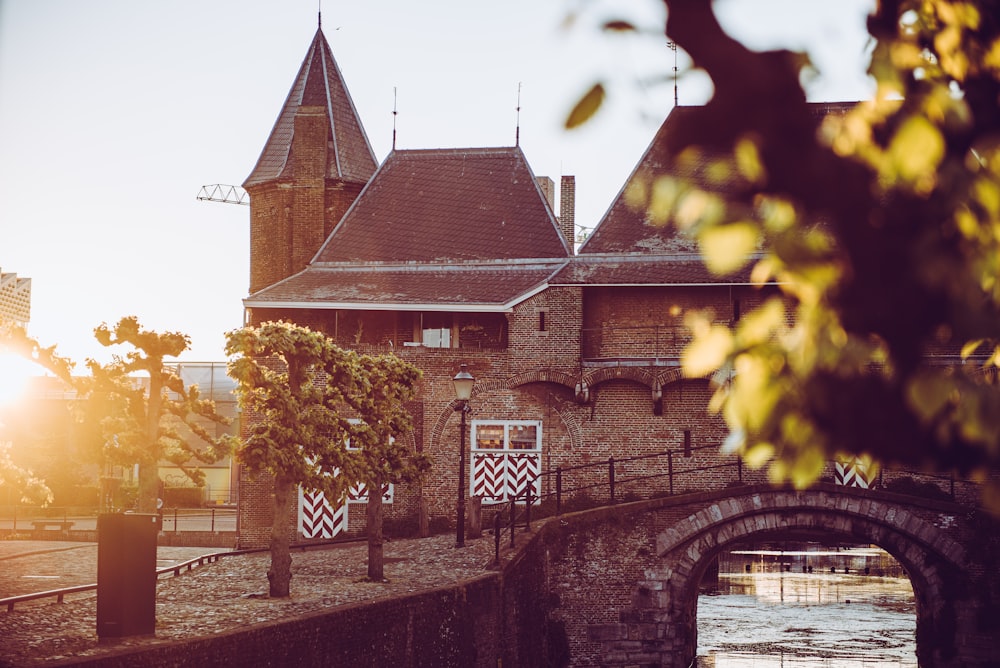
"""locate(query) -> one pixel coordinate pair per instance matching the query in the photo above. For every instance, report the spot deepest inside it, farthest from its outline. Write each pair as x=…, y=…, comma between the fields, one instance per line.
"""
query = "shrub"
x=182, y=497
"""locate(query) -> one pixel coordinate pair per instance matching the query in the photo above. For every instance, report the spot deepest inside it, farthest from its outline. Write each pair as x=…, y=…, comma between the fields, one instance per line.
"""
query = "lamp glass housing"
x=463, y=381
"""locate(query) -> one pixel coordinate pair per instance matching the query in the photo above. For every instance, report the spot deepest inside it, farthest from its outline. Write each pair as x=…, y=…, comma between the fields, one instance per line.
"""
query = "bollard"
x=475, y=516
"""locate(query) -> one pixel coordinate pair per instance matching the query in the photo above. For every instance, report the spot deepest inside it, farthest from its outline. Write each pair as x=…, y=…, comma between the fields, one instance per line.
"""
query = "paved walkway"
x=223, y=596
x=29, y=566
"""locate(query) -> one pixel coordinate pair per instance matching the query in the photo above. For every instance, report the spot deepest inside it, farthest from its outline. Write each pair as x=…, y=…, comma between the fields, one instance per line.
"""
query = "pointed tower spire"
x=319, y=147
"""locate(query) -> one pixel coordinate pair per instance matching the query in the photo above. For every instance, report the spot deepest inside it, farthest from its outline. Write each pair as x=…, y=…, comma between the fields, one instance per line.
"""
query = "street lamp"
x=463, y=381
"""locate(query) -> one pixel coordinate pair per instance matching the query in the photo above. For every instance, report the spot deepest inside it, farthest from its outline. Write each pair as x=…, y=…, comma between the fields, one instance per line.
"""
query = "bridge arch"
x=932, y=559
x=644, y=562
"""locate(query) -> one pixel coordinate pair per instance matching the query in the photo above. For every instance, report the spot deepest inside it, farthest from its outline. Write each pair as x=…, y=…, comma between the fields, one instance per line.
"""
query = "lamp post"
x=463, y=381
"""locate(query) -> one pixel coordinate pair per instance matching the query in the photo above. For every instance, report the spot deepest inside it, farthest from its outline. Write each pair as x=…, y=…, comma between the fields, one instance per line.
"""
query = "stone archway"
x=666, y=600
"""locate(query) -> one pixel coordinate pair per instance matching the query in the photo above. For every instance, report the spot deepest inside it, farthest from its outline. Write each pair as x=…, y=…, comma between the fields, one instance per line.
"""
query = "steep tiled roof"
x=475, y=286
x=439, y=205
x=319, y=83
x=629, y=230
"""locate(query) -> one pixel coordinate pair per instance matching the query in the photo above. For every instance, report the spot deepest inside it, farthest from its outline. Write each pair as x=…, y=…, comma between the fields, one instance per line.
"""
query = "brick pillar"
x=567, y=209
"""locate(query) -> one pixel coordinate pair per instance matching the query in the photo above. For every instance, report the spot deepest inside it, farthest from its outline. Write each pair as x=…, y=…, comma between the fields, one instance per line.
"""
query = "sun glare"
x=14, y=374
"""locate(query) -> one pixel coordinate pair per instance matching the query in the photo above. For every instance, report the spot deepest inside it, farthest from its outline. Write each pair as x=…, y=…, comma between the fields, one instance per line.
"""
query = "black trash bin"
x=126, y=574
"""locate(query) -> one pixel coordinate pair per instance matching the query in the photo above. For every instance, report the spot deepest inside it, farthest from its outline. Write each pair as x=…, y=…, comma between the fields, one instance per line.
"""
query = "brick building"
x=458, y=256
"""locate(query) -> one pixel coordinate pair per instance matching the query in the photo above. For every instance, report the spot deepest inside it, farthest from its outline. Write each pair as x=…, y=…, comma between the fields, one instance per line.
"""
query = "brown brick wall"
x=535, y=379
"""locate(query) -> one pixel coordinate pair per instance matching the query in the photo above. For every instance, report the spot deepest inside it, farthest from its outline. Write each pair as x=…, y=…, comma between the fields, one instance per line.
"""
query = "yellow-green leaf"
x=706, y=353
x=970, y=348
x=748, y=160
x=727, y=247
x=586, y=107
x=758, y=455
x=917, y=149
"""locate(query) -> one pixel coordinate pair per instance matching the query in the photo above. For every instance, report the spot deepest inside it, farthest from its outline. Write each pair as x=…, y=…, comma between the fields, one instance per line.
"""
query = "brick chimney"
x=548, y=188
x=567, y=210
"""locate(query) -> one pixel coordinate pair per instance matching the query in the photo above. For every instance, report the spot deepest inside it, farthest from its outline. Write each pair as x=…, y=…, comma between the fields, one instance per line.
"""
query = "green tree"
x=292, y=384
x=141, y=421
x=881, y=229
x=383, y=455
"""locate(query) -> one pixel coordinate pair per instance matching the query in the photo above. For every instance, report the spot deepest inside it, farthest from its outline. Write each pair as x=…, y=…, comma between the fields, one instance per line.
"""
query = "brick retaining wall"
x=450, y=627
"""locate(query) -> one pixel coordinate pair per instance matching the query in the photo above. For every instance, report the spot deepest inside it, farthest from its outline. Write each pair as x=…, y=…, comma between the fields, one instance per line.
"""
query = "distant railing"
x=32, y=519
x=640, y=342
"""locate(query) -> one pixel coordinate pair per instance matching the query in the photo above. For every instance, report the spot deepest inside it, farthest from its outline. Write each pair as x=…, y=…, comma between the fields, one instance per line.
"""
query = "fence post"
x=527, y=508
x=496, y=537
x=670, y=470
x=611, y=477
x=513, y=517
x=213, y=519
x=739, y=466
x=558, y=490
x=175, y=520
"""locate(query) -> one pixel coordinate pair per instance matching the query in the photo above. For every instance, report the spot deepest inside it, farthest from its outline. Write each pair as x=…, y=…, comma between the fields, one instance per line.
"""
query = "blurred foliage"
x=880, y=225
x=136, y=408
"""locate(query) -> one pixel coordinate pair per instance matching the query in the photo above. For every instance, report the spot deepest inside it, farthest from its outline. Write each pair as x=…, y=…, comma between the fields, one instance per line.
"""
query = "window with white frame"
x=506, y=459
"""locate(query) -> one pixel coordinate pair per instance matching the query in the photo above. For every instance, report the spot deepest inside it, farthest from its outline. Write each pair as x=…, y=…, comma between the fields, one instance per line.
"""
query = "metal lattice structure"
x=227, y=194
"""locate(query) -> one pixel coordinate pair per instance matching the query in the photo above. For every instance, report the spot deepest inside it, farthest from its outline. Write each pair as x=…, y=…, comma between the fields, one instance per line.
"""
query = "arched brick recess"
x=667, y=598
x=542, y=376
x=670, y=376
x=571, y=422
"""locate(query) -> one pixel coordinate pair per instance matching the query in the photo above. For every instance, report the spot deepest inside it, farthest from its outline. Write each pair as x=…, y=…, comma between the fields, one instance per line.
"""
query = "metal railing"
x=613, y=475
x=634, y=342
x=60, y=594
x=33, y=519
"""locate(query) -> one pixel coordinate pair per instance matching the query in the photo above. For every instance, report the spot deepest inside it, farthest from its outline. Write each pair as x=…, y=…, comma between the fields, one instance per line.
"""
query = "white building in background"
x=15, y=298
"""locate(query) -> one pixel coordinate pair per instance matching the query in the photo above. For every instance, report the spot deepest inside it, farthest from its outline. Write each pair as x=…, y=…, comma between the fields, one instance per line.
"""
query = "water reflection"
x=807, y=608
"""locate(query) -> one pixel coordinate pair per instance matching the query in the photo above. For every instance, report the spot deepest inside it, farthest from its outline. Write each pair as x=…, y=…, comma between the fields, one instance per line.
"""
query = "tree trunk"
x=376, y=557
x=280, y=572
x=149, y=473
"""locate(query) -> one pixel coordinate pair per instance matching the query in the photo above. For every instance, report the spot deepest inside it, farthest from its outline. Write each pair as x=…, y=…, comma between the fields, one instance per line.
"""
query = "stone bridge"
x=621, y=583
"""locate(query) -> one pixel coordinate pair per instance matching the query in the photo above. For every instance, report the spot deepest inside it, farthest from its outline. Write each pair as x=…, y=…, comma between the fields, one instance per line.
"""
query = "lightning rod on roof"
x=517, y=128
x=673, y=47
x=319, y=14
x=394, y=118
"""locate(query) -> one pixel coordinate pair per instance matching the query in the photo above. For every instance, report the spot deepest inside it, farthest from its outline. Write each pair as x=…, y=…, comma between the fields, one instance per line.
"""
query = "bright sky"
x=113, y=113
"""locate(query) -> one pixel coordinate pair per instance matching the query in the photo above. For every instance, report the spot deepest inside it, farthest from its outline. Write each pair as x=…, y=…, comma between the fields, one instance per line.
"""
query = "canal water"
x=810, y=607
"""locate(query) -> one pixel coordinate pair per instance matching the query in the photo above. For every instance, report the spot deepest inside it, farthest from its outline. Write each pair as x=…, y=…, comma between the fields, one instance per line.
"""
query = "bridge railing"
x=673, y=471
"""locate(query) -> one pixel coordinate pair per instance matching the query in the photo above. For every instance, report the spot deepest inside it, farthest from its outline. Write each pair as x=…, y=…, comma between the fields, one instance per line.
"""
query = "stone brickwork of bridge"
x=622, y=582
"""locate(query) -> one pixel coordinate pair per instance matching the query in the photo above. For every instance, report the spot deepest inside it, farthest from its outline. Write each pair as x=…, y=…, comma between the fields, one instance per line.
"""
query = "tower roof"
x=319, y=83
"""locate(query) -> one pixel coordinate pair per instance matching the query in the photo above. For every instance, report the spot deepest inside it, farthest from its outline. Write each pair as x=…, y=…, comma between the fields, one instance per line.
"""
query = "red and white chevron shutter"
x=317, y=518
x=359, y=493
x=852, y=473
x=523, y=469
x=489, y=473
